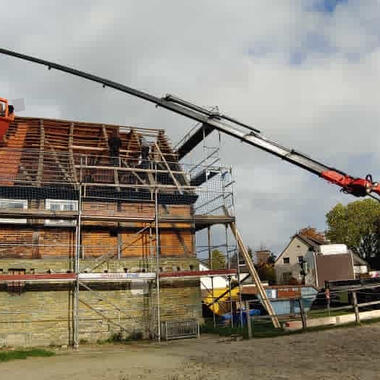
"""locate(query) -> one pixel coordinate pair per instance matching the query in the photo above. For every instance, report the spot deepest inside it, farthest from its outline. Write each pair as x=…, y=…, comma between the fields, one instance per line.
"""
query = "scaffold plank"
x=200, y=273
x=40, y=277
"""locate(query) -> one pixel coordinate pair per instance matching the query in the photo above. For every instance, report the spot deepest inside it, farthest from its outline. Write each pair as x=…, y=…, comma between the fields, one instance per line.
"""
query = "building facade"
x=288, y=264
x=89, y=239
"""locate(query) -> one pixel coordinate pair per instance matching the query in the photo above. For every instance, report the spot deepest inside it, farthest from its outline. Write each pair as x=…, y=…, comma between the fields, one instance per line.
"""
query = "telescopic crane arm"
x=214, y=120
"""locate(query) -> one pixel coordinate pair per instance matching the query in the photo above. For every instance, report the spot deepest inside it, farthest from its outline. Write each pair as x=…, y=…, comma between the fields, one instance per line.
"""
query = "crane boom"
x=228, y=125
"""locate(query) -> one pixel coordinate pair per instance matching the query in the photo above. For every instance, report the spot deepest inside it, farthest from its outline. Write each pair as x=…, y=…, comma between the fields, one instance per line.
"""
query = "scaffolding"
x=57, y=175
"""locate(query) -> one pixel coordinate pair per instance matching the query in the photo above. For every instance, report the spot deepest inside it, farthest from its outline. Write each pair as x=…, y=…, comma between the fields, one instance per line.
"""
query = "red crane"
x=214, y=120
x=6, y=117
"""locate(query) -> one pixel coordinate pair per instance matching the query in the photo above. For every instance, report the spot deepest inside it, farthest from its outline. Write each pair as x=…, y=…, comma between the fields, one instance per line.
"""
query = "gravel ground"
x=345, y=353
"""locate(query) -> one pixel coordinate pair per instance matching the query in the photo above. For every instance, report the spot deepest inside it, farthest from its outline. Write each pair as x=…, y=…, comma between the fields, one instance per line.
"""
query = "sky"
x=306, y=73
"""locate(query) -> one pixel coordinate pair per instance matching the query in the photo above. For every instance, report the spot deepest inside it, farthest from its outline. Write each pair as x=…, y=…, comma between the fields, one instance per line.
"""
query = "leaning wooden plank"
x=254, y=274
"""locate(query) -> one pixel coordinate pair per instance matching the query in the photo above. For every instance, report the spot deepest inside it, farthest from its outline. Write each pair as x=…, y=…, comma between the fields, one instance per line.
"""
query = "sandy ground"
x=348, y=353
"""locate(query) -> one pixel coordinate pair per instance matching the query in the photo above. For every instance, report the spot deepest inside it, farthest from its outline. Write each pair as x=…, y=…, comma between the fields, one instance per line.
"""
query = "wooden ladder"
x=254, y=275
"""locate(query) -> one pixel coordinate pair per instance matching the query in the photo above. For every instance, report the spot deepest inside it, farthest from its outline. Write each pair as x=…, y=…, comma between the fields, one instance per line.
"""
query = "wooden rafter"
x=170, y=156
x=124, y=162
x=71, y=153
x=26, y=173
x=41, y=154
x=115, y=171
x=168, y=167
x=105, y=135
x=58, y=162
x=133, y=146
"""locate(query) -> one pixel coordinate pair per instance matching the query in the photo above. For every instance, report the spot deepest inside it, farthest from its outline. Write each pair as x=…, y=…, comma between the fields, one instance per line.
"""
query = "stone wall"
x=42, y=314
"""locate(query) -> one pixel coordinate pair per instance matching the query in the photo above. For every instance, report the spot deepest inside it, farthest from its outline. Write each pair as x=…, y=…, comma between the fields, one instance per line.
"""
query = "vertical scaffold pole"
x=157, y=266
x=227, y=248
x=231, y=302
x=77, y=270
x=209, y=247
x=236, y=249
x=213, y=299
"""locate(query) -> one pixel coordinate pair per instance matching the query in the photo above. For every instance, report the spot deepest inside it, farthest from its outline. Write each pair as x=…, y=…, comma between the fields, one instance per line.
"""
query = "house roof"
x=310, y=242
x=47, y=152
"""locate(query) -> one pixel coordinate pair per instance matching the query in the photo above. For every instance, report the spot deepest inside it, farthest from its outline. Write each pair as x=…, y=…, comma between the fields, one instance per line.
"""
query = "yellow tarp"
x=222, y=306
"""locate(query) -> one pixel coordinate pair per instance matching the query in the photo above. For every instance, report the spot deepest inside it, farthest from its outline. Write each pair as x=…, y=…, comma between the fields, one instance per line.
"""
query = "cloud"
x=307, y=76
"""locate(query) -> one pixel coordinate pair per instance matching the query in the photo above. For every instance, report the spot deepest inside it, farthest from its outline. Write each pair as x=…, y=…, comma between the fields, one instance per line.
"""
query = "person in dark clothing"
x=114, y=143
x=145, y=149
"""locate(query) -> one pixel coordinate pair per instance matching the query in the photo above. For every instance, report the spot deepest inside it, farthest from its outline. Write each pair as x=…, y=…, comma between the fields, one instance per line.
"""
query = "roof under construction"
x=46, y=153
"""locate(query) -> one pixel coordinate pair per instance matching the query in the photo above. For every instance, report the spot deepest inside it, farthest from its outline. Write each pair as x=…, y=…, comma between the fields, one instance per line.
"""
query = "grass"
x=6, y=356
x=326, y=313
x=265, y=329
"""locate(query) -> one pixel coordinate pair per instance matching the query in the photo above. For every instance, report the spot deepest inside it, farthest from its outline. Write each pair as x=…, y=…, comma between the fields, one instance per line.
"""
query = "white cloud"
x=307, y=79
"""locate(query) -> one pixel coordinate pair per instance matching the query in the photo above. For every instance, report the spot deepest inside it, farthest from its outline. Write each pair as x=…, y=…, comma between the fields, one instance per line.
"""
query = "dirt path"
x=349, y=353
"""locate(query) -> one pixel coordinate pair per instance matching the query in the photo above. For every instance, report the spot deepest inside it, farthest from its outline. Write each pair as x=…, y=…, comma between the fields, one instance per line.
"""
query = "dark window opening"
x=286, y=260
x=113, y=232
x=16, y=286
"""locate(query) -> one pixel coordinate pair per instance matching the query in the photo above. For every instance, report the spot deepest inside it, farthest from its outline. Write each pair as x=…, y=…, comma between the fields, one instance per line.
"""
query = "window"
x=286, y=277
x=60, y=205
x=16, y=286
x=286, y=260
x=11, y=204
x=300, y=259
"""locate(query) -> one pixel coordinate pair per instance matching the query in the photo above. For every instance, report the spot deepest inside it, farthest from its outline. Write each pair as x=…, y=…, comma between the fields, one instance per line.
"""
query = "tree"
x=266, y=272
x=357, y=226
x=271, y=258
x=311, y=232
x=218, y=261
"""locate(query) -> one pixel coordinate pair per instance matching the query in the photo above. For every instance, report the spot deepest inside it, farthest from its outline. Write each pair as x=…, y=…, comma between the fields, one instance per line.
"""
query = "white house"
x=287, y=265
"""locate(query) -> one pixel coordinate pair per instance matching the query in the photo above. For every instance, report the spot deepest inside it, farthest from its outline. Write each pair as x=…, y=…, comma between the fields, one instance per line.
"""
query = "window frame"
x=13, y=220
x=287, y=260
x=62, y=203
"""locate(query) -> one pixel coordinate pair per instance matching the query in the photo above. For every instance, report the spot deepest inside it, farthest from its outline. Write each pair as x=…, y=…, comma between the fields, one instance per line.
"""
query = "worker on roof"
x=114, y=143
x=145, y=149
